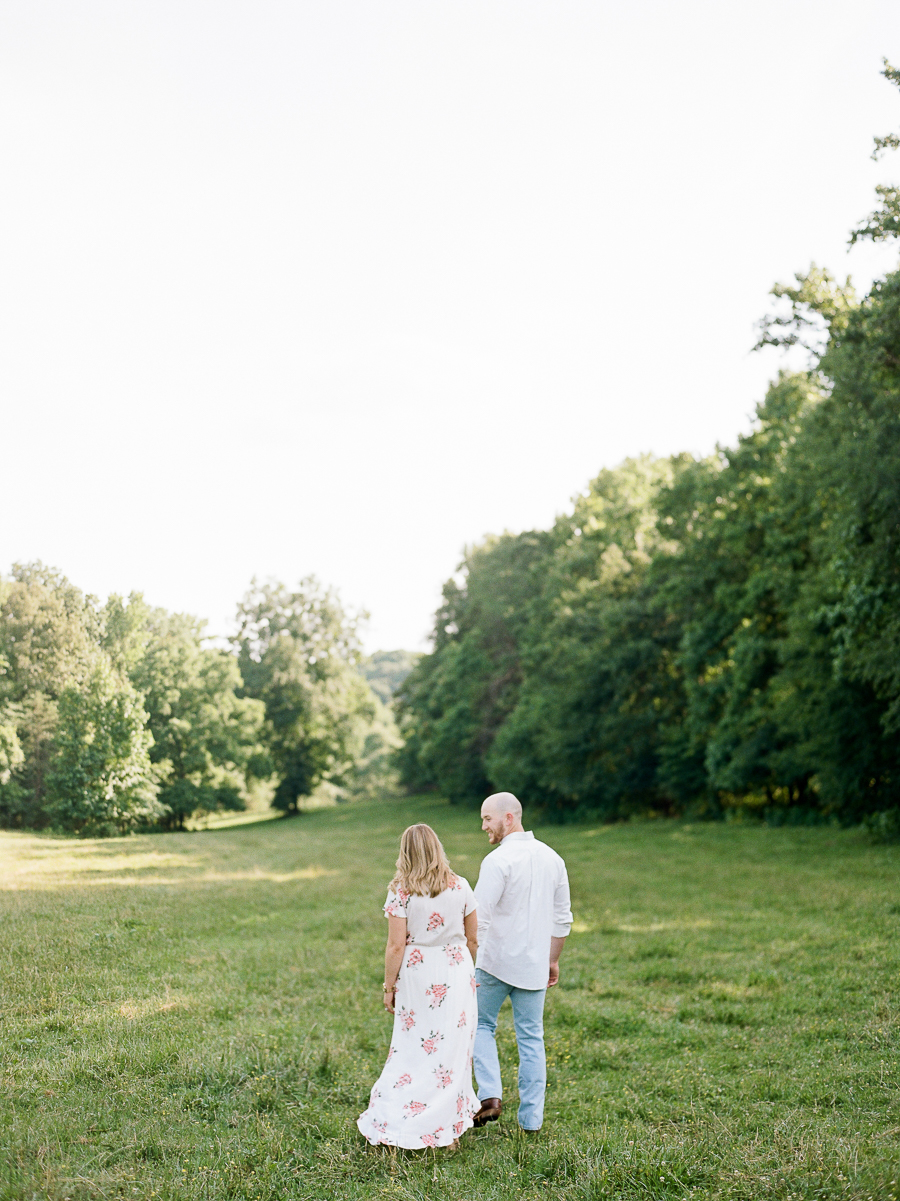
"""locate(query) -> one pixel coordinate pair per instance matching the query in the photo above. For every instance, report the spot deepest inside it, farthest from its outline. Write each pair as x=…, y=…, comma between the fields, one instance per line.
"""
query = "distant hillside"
x=386, y=671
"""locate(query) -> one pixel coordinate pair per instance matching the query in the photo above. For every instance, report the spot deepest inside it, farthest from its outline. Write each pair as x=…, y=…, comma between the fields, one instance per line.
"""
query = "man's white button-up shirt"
x=523, y=901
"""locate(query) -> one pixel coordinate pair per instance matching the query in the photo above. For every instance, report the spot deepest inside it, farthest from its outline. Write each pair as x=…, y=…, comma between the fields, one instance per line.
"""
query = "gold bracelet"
x=393, y=988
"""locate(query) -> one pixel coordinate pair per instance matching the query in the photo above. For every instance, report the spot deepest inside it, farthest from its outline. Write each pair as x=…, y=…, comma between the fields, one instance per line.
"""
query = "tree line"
x=698, y=636
x=121, y=716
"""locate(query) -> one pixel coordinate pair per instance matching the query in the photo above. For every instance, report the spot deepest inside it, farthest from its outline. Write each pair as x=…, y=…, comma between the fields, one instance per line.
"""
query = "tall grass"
x=199, y=1016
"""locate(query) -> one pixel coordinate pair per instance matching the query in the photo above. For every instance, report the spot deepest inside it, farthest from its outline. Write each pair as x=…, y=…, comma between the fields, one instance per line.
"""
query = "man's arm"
x=556, y=946
x=562, y=924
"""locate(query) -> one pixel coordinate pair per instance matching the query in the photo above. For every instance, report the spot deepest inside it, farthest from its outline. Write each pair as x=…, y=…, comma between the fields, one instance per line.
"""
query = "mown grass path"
x=199, y=1016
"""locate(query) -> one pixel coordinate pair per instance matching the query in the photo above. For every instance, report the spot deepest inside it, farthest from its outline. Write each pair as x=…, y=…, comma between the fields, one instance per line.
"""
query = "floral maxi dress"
x=424, y=1095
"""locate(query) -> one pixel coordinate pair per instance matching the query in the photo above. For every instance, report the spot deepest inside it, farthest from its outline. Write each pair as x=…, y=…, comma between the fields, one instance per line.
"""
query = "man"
x=523, y=921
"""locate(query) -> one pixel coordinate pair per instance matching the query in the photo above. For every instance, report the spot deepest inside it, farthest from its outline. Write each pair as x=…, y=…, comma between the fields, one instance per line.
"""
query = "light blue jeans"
x=528, y=1019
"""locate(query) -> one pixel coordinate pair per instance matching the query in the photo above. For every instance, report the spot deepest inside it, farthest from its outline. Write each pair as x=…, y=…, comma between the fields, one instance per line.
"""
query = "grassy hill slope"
x=199, y=1016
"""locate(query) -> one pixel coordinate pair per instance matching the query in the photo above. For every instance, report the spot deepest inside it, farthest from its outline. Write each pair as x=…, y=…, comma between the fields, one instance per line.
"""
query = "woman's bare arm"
x=470, y=925
x=393, y=957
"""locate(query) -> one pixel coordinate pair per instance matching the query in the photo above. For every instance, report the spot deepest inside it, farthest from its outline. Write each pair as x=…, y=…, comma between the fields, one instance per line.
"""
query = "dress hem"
x=419, y=1146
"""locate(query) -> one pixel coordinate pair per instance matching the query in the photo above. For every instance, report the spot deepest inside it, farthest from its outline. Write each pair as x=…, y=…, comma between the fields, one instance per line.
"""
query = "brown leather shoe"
x=491, y=1108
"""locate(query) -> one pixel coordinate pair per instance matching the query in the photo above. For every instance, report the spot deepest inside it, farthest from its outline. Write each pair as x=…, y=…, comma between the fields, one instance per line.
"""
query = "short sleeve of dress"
x=395, y=905
x=469, y=902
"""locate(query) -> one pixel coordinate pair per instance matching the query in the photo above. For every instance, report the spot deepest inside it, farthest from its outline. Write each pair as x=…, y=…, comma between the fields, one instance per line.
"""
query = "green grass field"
x=199, y=1016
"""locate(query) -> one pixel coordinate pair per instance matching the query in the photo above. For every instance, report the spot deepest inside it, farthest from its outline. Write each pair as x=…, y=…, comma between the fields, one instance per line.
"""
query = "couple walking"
x=512, y=926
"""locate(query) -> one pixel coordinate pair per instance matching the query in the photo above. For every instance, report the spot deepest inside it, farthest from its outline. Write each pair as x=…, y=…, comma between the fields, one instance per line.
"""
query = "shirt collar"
x=517, y=834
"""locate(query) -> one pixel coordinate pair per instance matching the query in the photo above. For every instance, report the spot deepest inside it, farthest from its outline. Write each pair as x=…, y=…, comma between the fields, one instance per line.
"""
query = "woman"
x=424, y=1097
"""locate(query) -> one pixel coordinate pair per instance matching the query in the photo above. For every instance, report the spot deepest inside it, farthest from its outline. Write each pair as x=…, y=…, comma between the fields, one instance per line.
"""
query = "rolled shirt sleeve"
x=562, y=906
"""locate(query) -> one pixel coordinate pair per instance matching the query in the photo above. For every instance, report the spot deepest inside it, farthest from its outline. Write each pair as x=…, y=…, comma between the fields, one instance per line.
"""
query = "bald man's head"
x=503, y=802
x=501, y=814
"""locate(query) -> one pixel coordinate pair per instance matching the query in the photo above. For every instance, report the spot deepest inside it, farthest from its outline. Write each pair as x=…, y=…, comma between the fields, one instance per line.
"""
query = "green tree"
x=100, y=779
x=456, y=698
x=385, y=671
x=845, y=662
x=48, y=643
x=11, y=753
x=713, y=634
x=884, y=222
x=298, y=654
x=742, y=528
x=585, y=733
x=205, y=736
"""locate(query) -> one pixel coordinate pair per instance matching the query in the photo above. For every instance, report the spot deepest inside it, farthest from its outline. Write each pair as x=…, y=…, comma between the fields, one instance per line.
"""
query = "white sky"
x=339, y=287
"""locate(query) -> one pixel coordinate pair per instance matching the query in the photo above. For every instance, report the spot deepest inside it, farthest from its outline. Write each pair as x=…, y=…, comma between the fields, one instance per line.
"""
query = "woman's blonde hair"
x=422, y=866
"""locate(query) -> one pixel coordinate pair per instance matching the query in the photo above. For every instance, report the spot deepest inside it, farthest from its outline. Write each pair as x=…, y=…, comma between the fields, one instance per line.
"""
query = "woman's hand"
x=389, y=995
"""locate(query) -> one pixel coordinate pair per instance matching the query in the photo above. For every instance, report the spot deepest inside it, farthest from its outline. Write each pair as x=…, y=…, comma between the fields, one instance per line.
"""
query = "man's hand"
x=556, y=946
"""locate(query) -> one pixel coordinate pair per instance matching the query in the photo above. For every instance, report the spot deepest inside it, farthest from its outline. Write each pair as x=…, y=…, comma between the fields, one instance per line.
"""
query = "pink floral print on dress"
x=443, y=1076
x=462, y=1020
x=454, y=953
x=432, y=1042
x=437, y=992
x=414, y=1107
x=407, y=1017
x=404, y=1080
x=434, y=922
x=415, y=958
x=430, y=1140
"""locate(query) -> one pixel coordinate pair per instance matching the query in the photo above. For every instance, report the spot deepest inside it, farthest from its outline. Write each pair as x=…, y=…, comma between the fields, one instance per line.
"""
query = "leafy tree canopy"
x=703, y=636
